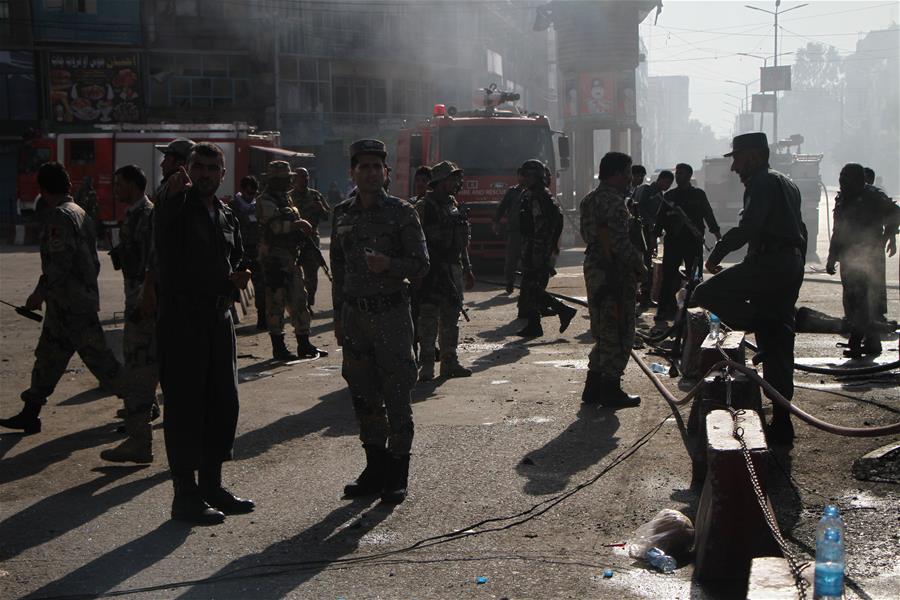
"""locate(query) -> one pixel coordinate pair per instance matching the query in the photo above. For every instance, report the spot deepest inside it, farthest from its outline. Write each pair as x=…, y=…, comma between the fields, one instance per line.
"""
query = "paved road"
x=512, y=443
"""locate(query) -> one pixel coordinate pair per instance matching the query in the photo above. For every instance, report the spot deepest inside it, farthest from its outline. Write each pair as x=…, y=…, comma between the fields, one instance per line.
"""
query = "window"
x=82, y=152
x=186, y=8
x=18, y=100
x=4, y=10
x=494, y=63
x=413, y=97
x=306, y=86
x=362, y=96
x=88, y=7
x=199, y=81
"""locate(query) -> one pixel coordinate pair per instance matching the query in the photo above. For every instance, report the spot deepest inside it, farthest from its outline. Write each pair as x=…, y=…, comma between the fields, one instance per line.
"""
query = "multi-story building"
x=322, y=73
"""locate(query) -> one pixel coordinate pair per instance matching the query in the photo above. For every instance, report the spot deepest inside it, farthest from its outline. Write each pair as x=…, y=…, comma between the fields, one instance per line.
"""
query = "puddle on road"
x=577, y=364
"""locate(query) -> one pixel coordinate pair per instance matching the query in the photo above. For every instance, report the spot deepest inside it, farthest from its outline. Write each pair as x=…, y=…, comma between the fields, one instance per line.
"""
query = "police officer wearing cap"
x=283, y=232
x=758, y=294
x=440, y=293
x=376, y=244
x=541, y=224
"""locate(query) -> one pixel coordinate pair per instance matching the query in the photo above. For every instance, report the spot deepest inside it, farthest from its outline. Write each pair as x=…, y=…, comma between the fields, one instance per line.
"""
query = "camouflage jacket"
x=135, y=238
x=390, y=227
x=447, y=230
x=276, y=216
x=69, y=263
x=312, y=206
x=605, y=230
x=541, y=224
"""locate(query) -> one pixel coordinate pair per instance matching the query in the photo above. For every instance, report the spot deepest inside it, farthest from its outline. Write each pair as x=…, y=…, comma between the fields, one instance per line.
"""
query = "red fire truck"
x=490, y=144
x=99, y=153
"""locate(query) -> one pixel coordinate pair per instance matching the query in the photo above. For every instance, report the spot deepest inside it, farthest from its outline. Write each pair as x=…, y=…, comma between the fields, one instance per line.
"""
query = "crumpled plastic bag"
x=669, y=530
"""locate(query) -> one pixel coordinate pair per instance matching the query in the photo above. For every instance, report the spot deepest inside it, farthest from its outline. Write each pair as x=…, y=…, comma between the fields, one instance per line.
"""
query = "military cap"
x=180, y=147
x=278, y=169
x=368, y=147
x=442, y=171
x=749, y=141
x=532, y=164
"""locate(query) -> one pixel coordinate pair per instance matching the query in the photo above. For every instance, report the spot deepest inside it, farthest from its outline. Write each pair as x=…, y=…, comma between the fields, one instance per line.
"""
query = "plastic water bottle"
x=829, y=579
x=715, y=326
x=830, y=518
x=660, y=561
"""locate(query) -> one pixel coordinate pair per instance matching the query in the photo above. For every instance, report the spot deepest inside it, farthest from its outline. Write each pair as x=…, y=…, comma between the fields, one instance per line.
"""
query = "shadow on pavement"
x=35, y=460
x=85, y=397
x=69, y=509
x=108, y=571
x=583, y=444
x=309, y=552
x=333, y=415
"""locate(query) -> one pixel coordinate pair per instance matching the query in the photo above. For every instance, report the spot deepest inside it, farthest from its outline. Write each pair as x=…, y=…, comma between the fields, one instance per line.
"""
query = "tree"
x=818, y=67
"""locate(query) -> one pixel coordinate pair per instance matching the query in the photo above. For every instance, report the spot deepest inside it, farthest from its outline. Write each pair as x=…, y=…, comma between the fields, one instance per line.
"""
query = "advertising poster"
x=597, y=94
x=94, y=88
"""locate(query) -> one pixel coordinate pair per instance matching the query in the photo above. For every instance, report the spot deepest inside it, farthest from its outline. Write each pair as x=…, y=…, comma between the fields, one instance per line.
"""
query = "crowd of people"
x=400, y=269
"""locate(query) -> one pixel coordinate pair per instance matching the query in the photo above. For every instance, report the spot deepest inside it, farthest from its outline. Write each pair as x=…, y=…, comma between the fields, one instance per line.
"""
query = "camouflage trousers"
x=63, y=335
x=440, y=315
x=284, y=290
x=309, y=264
x=139, y=346
x=611, y=308
x=380, y=370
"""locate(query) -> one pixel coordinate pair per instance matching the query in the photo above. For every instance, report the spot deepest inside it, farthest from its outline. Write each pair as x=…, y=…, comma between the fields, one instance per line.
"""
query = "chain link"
x=794, y=564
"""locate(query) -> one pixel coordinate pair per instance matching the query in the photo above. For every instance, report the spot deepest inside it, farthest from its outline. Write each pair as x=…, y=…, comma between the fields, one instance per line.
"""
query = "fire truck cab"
x=490, y=145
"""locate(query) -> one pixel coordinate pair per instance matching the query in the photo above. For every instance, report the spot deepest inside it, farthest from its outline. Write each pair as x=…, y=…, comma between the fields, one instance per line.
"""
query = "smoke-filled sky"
x=702, y=40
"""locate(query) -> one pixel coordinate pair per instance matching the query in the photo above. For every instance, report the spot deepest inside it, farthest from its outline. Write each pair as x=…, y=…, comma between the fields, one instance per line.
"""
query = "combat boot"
x=122, y=413
x=613, y=396
x=305, y=349
x=396, y=479
x=781, y=431
x=566, y=314
x=138, y=446
x=872, y=345
x=188, y=505
x=212, y=492
x=593, y=388
x=426, y=371
x=533, y=329
x=27, y=420
x=279, y=350
x=451, y=368
x=371, y=480
x=261, y=324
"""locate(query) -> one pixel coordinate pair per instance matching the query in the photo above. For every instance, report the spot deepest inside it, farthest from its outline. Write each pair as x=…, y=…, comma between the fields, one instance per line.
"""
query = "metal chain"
x=794, y=564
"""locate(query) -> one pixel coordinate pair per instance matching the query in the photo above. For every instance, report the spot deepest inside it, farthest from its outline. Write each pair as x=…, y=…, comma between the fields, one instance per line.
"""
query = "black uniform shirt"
x=197, y=250
x=770, y=219
x=694, y=203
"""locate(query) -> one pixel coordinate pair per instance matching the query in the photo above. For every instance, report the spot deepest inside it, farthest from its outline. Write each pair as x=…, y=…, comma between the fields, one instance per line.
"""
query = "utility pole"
x=775, y=62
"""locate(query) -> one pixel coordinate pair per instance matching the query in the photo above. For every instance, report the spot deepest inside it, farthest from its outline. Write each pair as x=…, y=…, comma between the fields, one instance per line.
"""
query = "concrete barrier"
x=732, y=343
x=696, y=330
x=771, y=579
x=731, y=529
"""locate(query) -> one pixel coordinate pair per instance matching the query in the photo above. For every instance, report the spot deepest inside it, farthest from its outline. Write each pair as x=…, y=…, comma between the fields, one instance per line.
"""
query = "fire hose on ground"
x=770, y=391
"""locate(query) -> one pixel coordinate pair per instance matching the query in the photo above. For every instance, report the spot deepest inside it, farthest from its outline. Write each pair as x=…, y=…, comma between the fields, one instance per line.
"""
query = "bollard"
x=715, y=395
x=731, y=529
x=771, y=579
x=656, y=286
x=732, y=343
x=696, y=330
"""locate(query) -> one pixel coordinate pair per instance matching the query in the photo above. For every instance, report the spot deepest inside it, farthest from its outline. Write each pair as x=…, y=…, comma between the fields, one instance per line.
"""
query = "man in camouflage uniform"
x=139, y=342
x=612, y=267
x=541, y=224
x=283, y=232
x=865, y=220
x=313, y=209
x=420, y=183
x=377, y=243
x=68, y=286
x=175, y=155
x=440, y=294
x=509, y=207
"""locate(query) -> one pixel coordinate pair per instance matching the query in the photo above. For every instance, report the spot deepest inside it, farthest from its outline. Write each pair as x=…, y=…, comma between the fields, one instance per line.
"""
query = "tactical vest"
x=447, y=230
x=286, y=213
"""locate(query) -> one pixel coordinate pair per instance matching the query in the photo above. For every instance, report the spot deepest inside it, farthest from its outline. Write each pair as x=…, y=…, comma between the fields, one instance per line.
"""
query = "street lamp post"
x=746, y=92
x=775, y=56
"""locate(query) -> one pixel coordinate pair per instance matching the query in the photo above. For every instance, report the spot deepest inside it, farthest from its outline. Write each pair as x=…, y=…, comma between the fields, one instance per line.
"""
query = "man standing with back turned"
x=199, y=254
x=612, y=267
x=759, y=293
x=377, y=243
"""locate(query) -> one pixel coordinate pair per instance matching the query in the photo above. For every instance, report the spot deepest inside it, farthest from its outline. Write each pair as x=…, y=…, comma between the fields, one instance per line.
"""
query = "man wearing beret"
x=758, y=294
x=377, y=244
